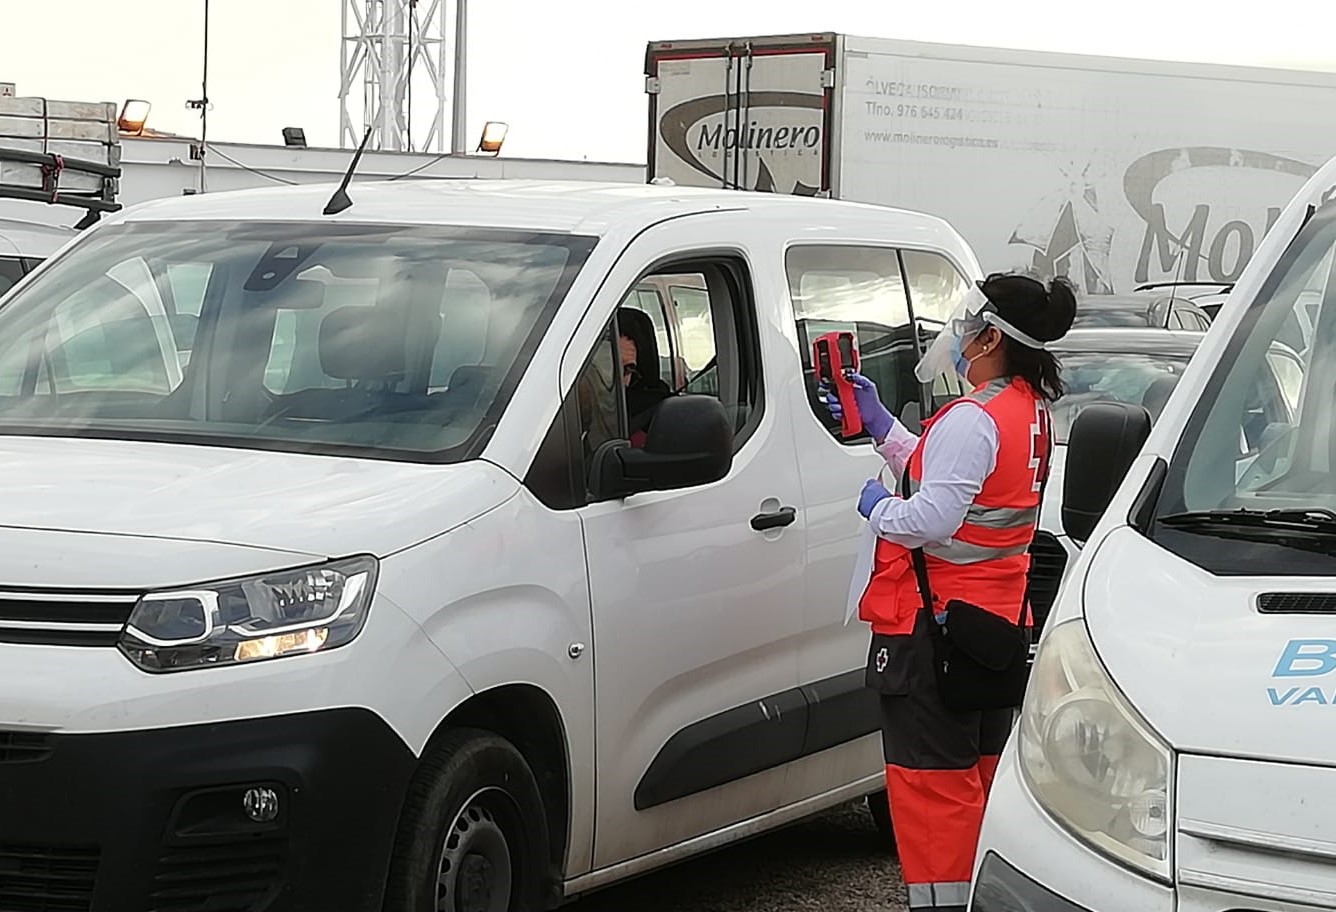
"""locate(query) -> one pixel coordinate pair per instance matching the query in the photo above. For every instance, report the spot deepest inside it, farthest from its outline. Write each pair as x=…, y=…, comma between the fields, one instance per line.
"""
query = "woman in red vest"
x=973, y=483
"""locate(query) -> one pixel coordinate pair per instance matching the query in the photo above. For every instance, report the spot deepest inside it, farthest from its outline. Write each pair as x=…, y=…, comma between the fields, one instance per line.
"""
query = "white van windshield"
x=388, y=342
x=1252, y=486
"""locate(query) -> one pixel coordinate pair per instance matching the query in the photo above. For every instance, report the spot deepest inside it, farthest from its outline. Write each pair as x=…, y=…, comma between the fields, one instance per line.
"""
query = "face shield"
x=972, y=317
x=960, y=329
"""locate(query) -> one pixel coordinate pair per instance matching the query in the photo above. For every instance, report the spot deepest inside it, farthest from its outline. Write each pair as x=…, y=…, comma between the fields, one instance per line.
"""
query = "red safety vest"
x=987, y=559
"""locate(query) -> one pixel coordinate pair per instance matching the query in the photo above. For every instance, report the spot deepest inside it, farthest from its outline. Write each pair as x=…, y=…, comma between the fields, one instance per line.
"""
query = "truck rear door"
x=742, y=114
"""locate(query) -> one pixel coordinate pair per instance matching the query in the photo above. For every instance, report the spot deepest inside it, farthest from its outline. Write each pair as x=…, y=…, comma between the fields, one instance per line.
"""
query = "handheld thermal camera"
x=834, y=358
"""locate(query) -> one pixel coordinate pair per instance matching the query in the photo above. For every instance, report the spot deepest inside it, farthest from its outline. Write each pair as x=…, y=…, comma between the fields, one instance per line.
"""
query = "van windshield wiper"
x=1310, y=521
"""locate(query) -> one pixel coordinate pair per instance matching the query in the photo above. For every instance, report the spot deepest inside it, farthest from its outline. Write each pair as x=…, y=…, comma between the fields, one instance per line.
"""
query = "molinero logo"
x=1304, y=659
x=773, y=123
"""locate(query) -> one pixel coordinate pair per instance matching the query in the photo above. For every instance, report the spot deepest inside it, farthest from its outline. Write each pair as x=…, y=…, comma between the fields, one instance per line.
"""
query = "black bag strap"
x=916, y=554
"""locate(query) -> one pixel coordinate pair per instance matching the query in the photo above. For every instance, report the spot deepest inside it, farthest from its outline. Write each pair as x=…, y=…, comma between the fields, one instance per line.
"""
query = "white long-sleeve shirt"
x=959, y=454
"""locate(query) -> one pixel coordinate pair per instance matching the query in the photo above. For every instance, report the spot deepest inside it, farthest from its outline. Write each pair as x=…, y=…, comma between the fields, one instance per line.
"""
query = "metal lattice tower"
x=394, y=47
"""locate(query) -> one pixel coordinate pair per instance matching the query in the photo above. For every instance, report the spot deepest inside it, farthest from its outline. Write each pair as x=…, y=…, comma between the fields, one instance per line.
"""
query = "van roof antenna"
x=340, y=200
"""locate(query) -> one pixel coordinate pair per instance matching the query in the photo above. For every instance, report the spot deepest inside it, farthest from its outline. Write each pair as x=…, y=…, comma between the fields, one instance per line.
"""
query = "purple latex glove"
x=874, y=492
x=831, y=400
x=877, y=419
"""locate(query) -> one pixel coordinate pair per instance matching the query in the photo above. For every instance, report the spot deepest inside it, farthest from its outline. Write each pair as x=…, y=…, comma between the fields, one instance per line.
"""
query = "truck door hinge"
x=828, y=78
x=652, y=85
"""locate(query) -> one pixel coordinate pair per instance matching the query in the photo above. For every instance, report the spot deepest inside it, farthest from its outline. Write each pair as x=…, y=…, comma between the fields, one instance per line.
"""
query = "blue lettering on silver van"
x=1294, y=696
x=1311, y=658
x=1306, y=659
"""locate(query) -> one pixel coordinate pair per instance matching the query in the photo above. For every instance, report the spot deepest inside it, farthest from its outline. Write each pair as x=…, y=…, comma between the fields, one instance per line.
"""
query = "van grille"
x=1048, y=562
x=24, y=747
x=228, y=877
x=47, y=878
x=1297, y=603
x=64, y=618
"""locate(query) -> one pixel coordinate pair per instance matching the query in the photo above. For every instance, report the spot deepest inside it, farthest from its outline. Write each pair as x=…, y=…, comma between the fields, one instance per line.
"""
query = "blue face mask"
x=958, y=359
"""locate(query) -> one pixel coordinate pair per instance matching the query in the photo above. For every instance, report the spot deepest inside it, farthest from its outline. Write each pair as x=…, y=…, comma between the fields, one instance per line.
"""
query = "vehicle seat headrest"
x=362, y=343
x=1158, y=393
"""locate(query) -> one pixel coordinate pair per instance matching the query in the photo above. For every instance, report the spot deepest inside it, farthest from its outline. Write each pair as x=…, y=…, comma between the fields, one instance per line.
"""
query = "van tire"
x=879, y=806
x=473, y=832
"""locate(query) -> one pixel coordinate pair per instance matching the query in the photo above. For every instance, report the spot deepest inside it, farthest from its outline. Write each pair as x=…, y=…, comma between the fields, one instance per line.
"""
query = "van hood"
x=1205, y=669
x=311, y=505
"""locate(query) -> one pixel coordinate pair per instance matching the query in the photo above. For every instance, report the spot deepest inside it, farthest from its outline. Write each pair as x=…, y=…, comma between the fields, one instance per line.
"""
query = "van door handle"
x=784, y=516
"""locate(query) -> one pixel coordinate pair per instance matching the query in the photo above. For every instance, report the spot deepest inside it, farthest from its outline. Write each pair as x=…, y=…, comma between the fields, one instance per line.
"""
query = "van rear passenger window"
x=859, y=290
x=936, y=286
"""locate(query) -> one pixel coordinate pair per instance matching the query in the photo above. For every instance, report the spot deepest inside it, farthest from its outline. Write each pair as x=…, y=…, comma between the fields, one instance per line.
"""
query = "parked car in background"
x=1209, y=296
x=1140, y=310
x=1139, y=365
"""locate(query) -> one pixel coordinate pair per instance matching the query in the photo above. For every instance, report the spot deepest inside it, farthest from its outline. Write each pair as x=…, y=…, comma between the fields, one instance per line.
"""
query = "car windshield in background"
x=372, y=340
x=1136, y=378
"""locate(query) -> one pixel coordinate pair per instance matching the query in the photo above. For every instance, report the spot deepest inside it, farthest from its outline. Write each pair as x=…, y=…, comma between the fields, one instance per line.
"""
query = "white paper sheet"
x=867, y=547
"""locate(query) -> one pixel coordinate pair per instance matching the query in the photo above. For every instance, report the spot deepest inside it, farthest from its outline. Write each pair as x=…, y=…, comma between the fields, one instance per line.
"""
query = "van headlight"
x=1090, y=760
x=291, y=612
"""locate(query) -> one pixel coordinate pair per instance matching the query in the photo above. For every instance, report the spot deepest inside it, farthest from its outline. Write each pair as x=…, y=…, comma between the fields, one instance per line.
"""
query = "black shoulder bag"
x=980, y=659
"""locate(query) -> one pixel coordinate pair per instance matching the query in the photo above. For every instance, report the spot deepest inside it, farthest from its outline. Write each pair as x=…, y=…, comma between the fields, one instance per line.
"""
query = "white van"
x=1171, y=753
x=368, y=603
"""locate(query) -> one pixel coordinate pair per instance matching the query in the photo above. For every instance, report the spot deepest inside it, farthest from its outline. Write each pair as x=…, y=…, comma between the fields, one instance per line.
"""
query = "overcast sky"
x=567, y=76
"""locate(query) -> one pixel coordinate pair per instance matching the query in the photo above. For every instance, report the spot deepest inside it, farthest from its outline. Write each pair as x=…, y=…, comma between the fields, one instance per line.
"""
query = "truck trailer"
x=1114, y=172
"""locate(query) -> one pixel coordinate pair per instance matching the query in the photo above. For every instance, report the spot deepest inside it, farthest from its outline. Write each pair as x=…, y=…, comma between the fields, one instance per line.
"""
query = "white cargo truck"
x=1114, y=172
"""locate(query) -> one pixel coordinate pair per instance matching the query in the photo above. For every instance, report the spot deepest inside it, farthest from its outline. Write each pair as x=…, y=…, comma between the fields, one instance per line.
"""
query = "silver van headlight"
x=1089, y=758
x=290, y=612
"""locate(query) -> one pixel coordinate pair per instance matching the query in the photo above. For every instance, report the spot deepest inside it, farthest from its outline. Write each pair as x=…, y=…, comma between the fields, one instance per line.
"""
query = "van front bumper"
x=1028, y=863
x=158, y=819
x=1001, y=888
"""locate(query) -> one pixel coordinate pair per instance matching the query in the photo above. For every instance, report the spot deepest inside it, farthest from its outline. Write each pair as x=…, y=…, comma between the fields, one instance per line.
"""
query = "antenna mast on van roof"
x=340, y=200
x=64, y=153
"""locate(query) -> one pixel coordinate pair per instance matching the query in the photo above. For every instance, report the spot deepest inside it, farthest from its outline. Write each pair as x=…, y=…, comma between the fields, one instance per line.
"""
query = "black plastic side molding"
x=760, y=735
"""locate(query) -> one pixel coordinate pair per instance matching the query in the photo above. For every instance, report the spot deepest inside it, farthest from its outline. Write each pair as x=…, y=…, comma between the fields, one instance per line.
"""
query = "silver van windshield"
x=1262, y=437
x=386, y=341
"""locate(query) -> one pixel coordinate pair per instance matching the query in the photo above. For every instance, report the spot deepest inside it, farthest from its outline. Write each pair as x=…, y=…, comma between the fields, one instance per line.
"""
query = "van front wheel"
x=473, y=833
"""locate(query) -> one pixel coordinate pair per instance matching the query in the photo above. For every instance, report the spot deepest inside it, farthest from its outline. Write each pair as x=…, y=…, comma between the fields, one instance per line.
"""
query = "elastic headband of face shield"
x=982, y=312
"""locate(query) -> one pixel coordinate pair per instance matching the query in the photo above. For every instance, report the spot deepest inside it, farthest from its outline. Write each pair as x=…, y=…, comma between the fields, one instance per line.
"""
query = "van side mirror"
x=689, y=443
x=1105, y=440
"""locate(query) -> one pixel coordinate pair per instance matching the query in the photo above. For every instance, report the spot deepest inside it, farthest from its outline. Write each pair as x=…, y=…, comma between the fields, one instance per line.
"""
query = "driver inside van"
x=642, y=385
x=644, y=388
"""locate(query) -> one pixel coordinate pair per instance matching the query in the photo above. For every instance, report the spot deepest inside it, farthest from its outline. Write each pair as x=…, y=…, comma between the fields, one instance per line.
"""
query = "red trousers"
x=939, y=768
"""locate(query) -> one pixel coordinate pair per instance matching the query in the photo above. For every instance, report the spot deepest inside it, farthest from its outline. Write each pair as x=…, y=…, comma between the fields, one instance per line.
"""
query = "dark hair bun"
x=1060, y=312
x=1044, y=313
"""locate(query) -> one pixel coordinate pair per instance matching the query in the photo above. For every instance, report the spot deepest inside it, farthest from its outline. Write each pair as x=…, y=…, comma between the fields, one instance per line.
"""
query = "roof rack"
x=62, y=153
